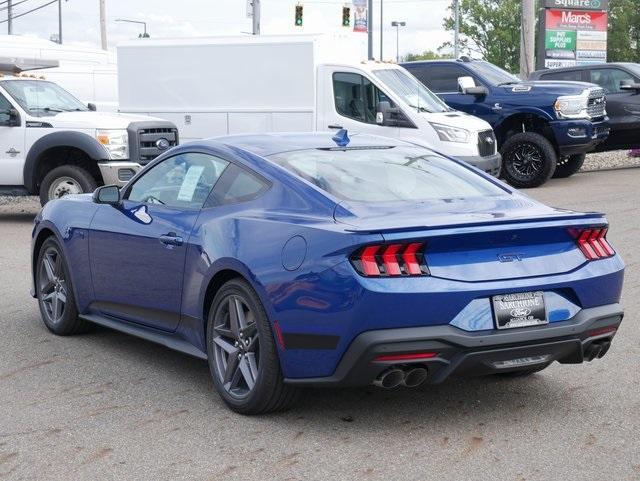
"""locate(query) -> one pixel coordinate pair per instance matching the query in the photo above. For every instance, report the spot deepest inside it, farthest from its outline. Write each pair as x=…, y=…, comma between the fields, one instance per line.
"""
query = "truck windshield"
x=411, y=91
x=492, y=74
x=42, y=99
x=386, y=174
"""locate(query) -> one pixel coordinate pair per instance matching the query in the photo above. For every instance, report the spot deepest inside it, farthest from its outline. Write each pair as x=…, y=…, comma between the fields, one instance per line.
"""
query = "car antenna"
x=341, y=138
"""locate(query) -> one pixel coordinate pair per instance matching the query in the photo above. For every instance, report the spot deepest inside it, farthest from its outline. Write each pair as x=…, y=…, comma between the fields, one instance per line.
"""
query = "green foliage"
x=489, y=29
x=624, y=31
x=426, y=55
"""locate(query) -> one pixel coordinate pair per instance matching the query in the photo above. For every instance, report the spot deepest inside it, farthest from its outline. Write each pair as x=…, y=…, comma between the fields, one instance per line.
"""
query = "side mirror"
x=14, y=117
x=467, y=86
x=385, y=114
x=92, y=107
x=629, y=85
x=107, y=194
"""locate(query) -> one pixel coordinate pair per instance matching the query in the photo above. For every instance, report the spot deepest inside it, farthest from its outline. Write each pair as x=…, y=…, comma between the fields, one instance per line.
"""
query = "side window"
x=237, y=185
x=610, y=79
x=356, y=97
x=571, y=75
x=441, y=78
x=5, y=106
x=185, y=180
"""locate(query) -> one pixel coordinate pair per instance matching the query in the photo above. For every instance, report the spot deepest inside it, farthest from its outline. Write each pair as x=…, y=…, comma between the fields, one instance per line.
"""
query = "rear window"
x=386, y=174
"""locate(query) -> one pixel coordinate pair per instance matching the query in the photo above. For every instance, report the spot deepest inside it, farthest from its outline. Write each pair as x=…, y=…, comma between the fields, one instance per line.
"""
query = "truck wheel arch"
x=69, y=139
x=533, y=121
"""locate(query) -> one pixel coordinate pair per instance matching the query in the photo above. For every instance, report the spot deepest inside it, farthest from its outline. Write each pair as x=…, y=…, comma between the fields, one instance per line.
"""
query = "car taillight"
x=593, y=242
x=391, y=260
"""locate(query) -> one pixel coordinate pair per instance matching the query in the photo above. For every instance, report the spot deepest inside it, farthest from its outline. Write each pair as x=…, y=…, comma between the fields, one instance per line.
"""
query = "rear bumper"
x=490, y=164
x=463, y=353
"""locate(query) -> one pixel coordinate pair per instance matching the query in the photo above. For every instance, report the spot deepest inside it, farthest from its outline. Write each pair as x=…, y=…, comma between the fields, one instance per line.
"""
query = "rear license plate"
x=522, y=309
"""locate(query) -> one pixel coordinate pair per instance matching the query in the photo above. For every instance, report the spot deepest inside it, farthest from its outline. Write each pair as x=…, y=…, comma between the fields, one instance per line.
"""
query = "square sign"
x=560, y=40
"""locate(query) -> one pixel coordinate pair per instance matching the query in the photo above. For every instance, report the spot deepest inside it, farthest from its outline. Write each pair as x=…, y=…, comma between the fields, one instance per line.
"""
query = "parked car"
x=300, y=260
x=543, y=129
x=257, y=84
x=621, y=83
x=51, y=144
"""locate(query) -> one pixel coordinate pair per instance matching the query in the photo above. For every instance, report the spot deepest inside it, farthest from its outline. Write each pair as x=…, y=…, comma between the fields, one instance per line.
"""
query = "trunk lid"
x=479, y=239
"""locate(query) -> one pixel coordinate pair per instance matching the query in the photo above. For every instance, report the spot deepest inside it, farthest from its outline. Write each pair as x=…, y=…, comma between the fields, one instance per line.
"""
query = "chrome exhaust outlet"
x=415, y=376
x=390, y=379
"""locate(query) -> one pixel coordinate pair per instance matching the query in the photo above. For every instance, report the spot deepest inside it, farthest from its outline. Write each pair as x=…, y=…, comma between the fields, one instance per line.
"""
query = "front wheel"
x=66, y=179
x=243, y=357
x=528, y=160
x=568, y=166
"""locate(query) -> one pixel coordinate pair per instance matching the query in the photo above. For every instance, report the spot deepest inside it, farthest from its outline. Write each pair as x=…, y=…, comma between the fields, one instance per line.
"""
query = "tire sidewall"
x=546, y=149
x=79, y=174
x=268, y=373
x=569, y=166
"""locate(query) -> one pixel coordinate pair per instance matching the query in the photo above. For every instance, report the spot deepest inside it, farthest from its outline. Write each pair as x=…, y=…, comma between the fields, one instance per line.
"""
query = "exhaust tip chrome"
x=415, y=376
x=390, y=379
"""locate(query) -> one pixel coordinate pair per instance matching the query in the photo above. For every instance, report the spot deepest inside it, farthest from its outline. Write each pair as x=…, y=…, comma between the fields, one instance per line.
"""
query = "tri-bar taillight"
x=400, y=259
x=593, y=242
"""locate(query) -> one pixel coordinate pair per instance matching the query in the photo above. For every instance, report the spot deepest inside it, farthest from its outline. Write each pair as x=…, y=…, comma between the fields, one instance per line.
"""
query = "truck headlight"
x=451, y=134
x=571, y=107
x=116, y=142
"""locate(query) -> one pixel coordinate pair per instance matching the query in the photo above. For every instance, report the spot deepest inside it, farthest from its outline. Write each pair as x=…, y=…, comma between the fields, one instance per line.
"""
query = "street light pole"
x=398, y=25
x=381, y=29
x=370, y=29
x=145, y=34
x=60, y=22
x=103, y=25
x=256, y=17
x=9, y=18
x=456, y=33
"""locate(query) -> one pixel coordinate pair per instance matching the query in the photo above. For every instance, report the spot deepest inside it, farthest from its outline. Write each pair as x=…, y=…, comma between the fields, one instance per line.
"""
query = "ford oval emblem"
x=520, y=312
x=162, y=144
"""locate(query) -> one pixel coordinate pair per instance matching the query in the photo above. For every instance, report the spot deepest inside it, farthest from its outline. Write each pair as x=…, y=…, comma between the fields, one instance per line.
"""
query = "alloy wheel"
x=52, y=285
x=526, y=160
x=236, y=346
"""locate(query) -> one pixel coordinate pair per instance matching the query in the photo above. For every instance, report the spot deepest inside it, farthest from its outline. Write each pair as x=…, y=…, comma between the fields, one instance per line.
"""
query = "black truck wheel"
x=528, y=160
x=568, y=166
x=66, y=179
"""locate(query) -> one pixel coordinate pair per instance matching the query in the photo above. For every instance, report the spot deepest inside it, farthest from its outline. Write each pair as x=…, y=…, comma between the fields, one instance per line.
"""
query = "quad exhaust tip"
x=398, y=376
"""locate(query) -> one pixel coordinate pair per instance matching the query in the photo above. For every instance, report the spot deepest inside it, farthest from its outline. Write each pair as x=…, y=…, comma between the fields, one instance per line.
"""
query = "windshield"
x=42, y=99
x=411, y=91
x=493, y=74
x=386, y=174
x=634, y=67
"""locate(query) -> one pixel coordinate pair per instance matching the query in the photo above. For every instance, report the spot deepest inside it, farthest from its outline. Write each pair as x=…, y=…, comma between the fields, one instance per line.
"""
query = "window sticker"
x=190, y=183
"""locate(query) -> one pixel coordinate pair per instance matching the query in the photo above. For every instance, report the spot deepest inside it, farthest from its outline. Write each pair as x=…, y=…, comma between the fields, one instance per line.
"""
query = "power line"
x=30, y=11
x=13, y=5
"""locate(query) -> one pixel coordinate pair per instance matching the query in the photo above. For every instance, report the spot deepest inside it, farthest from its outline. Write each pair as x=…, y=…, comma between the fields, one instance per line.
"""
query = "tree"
x=489, y=29
x=426, y=55
x=624, y=31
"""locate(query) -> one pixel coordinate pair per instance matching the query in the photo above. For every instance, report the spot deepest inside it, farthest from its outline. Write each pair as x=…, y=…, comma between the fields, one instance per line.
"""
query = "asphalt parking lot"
x=106, y=406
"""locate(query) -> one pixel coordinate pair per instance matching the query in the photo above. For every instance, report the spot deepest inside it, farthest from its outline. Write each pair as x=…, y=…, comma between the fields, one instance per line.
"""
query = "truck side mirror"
x=14, y=117
x=385, y=114
x=91, y=107
x=107, y=194
x=629, y=85
x=467, y=86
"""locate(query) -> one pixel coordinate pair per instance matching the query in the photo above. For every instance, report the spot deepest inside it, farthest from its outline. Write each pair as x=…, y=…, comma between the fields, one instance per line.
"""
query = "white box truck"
x=229, y=85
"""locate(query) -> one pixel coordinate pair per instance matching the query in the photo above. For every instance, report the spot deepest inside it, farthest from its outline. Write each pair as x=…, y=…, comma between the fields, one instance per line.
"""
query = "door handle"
x=171, y=239
x=338, y=127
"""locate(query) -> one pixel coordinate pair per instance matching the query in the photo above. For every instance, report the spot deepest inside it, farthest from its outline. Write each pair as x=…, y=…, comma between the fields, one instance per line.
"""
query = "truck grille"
x=486, y=143
x=596, y=106
x=148, y=139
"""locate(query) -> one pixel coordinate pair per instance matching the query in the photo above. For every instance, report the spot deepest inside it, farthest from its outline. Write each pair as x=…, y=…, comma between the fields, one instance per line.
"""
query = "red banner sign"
x=576, y=20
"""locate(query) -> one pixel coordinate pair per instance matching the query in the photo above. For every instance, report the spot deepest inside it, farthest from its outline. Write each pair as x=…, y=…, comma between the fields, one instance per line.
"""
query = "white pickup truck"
x=231, y=85
x=51, y=144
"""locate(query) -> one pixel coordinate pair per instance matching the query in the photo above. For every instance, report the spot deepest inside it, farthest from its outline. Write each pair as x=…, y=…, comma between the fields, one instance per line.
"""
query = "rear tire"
x=66, y=179
x=568, y=166
x=55, y=292
x=528, y=160
x=243, y=357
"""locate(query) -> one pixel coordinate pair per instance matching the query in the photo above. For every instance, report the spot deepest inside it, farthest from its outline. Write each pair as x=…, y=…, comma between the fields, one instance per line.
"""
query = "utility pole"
x=370, y=29
x=256, y=16
x=60, y=22
x=456, y=31
x=381, y=29
x=103, y=25
x=9, y=18
x=527, y=38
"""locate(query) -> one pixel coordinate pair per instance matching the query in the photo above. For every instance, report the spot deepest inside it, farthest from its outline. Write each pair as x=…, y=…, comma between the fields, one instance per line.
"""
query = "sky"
x=184, y=18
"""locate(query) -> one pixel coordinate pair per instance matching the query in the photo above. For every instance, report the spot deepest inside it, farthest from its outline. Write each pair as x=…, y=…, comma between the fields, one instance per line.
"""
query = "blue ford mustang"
x=292, y=260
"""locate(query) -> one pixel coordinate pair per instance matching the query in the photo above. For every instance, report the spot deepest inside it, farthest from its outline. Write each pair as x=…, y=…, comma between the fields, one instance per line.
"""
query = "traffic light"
x=298, y=15
x=346, y=16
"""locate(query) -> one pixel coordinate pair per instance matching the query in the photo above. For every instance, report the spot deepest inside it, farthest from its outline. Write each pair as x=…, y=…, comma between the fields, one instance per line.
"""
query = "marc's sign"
x=581, y=4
